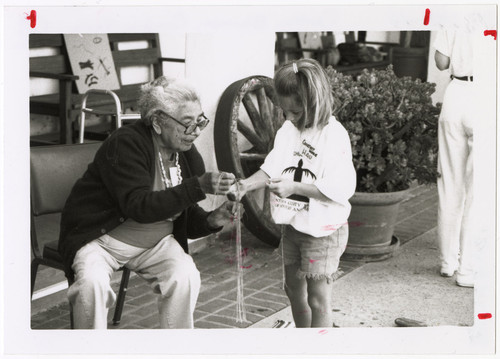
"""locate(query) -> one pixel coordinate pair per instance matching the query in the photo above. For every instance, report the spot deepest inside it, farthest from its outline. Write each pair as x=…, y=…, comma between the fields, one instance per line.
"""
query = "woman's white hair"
x=166, y=94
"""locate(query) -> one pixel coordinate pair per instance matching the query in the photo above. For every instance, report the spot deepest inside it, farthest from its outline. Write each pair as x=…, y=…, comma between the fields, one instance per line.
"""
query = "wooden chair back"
x=66, y=102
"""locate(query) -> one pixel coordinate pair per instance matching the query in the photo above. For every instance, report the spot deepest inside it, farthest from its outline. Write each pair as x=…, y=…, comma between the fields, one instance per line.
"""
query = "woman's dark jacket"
x=117, y=185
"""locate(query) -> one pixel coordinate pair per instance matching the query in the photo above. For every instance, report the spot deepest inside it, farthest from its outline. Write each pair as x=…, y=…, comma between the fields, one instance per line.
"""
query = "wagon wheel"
x=246, y=122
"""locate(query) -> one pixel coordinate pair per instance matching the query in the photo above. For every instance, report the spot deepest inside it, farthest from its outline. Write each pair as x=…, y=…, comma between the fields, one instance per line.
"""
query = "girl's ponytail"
x=307, y=81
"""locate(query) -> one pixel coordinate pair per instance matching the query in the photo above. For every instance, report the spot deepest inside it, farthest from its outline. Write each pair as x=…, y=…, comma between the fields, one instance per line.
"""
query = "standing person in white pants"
x=136, y=206
x=455, y=162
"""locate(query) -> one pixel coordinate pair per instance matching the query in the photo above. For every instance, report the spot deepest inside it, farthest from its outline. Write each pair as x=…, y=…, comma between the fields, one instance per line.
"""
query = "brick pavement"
x=216, y=307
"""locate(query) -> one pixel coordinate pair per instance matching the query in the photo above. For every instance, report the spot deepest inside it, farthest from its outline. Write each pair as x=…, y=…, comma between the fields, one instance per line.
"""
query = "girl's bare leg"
x=296, y=290
x=319, y=297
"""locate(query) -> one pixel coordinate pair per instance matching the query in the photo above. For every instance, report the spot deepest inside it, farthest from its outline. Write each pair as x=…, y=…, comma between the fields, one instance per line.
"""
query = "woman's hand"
x=256, y=181
x=216, y=182
x=224, y=214
x=282, y=187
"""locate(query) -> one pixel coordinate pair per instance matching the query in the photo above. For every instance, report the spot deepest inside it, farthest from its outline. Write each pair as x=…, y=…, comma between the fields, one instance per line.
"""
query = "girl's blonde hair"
x=307, y=81
x=164, y=93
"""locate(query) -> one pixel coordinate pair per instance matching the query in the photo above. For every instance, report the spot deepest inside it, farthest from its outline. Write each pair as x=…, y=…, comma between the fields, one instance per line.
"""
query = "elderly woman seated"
x=136, y=206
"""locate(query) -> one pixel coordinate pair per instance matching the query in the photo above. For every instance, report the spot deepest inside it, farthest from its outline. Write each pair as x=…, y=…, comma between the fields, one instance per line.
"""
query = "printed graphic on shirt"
x=284, y=209
x=306, y=150
x=298, y=172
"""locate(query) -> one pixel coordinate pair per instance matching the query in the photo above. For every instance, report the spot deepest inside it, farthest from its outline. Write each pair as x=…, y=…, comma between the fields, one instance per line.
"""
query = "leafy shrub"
x=392, y=125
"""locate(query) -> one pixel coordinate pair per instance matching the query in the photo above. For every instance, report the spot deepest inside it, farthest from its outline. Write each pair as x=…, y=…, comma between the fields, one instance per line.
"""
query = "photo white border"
x=110, y=16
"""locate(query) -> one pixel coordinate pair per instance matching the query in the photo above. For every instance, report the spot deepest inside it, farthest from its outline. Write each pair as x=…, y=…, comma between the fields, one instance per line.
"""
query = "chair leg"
x=34, y=270
x=121, y=296
x=71, y=318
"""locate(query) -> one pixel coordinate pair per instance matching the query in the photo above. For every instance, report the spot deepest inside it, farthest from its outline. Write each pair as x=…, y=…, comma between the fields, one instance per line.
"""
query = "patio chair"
x=54, y=171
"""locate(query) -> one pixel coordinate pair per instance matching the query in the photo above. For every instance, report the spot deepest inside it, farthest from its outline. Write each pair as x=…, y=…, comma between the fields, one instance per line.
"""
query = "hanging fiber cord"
x=240, y=296
x=282, y=244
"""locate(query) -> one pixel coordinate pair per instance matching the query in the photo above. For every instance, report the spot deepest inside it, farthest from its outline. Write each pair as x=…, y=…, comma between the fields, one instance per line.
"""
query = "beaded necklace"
x=166, y=181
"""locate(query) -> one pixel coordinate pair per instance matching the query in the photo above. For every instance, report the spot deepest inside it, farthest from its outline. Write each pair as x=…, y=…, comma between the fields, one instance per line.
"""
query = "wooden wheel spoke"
x=277, y=115
x=272, y=111
x=251, y=136
x=278, y=119
x=256, y=118
x=265, y=112
x=245, y=156
x=266, y=205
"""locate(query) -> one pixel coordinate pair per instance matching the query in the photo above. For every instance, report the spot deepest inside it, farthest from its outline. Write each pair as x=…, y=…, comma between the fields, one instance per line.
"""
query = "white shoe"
x=447, y=271
x=464, y=280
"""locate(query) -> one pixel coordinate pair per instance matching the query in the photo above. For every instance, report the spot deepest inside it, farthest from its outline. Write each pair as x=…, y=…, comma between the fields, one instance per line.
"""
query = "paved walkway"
x=216, y=307
x=407, y=285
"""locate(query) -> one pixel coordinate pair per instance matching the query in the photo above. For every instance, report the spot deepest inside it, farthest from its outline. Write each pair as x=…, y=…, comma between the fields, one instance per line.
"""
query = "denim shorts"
x=318, y=257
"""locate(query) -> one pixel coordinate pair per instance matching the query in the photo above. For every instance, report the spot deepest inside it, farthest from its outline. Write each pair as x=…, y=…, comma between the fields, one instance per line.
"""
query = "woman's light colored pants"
x=455, y=221
x=166, y=267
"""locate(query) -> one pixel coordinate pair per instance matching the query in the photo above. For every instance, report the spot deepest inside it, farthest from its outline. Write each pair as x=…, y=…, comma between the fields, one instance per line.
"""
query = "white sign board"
x=91, y=60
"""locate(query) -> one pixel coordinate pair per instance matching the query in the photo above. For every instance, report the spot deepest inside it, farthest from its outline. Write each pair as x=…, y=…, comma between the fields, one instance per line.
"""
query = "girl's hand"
x=237, y=191
x=282, y=187
x=256, y=181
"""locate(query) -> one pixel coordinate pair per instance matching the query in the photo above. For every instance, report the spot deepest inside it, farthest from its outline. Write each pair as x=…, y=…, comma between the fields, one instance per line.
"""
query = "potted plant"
x=392, y=124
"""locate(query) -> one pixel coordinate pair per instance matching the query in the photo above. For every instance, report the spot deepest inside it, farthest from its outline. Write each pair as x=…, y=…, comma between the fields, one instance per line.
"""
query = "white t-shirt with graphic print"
x=319, y=157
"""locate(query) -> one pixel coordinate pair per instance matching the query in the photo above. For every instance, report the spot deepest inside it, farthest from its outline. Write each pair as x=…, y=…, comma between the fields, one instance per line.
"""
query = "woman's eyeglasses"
x=201, y=124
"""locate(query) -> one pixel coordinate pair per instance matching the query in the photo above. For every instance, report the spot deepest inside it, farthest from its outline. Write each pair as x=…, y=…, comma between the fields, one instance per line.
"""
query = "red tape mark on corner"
x=32, y=18
x=484, y=315
x=491, y=32
x=427, y=15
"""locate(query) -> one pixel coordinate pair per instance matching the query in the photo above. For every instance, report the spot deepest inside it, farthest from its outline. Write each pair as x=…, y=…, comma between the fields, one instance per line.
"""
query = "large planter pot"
x=371, y=226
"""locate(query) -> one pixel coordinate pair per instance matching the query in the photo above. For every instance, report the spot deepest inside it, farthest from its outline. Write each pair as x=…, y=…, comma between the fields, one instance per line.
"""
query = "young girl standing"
x=311, y=177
